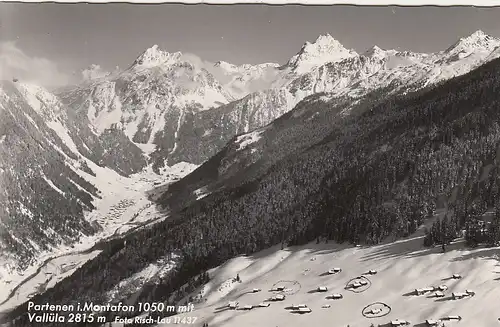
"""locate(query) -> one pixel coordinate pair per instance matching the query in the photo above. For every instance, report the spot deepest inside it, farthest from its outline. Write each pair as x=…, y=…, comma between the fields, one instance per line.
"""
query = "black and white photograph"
x=249, y=164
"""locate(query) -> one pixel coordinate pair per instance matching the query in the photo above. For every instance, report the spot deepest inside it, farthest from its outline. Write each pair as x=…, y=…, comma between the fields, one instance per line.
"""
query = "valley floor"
x=402, y=267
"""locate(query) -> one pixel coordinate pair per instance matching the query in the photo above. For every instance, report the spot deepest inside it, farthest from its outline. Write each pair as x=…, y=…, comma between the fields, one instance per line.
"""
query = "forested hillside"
x=359, y=175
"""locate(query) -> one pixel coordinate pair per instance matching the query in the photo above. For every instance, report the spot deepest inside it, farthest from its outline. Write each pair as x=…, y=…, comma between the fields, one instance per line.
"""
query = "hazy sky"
x=53, y=40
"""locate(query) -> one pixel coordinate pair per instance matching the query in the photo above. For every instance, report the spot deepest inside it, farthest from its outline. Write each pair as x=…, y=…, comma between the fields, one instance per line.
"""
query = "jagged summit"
x=476, y=41
x=155, y=56
x=324, y=49
x=326, y=39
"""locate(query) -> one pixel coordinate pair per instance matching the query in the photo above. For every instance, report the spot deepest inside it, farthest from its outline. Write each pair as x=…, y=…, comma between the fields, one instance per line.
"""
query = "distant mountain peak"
x=323, y=43
x=377, y=52
x=475, y=41
x=478, y=33
x=156, y=56
x=324, y=49
x=326, y=38
x=478, y=36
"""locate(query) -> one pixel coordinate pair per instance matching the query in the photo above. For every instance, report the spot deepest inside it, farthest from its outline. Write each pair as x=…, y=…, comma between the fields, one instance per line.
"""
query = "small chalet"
x=398, y=322
x=233, y=305
x=336, y=296
x=322, y=289
x=334, y=271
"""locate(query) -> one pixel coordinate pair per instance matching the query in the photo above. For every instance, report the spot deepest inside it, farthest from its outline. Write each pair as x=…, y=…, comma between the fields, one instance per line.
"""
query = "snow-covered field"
x=401, y=268
x=124, y=205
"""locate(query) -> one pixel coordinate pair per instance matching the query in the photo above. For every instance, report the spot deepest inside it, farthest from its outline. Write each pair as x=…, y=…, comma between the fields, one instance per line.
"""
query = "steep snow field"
x=401, y=267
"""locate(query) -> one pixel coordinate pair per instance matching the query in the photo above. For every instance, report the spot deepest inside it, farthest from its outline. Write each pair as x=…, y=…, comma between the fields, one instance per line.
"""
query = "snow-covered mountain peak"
x=327, y=39
x=324, y=49
x=375, y=51
x=477, y=41
x=160, y=99
x=155, y=56
x=478, y=34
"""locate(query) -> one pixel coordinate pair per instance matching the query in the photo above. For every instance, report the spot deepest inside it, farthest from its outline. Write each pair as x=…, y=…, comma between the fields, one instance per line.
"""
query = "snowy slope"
x=245, y=79
x=50, y=109
x=401, y=267
x=40, y=187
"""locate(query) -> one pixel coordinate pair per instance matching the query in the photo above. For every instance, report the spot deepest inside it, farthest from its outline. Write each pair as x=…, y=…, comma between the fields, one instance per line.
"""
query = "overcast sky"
x=50, y=41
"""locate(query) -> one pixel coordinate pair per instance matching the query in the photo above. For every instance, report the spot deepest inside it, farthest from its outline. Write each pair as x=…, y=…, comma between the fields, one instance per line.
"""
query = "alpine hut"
x=334, y=271
x=398, y=322
x=304, y=310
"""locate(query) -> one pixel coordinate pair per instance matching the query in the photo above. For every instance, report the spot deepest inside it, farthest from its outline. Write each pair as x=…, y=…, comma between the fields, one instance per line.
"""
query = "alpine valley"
x=135, y=185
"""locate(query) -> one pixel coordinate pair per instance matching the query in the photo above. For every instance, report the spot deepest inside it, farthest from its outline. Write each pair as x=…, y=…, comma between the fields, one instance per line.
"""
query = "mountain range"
x=333, y=144
x=189, y=109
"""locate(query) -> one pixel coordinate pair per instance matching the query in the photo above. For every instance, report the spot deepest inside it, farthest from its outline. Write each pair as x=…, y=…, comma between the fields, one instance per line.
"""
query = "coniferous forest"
x=381, y=171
